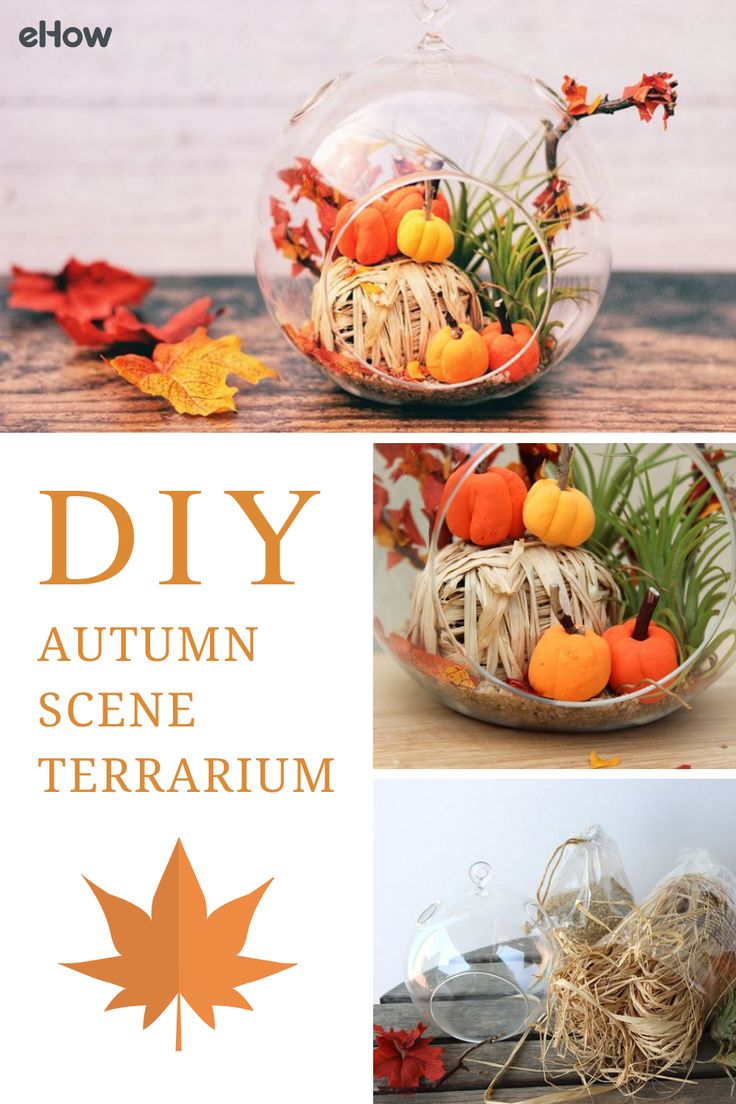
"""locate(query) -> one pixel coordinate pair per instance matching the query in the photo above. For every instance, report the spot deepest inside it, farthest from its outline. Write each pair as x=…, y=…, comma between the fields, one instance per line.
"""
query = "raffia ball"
x=495, y=601
x=386, y=314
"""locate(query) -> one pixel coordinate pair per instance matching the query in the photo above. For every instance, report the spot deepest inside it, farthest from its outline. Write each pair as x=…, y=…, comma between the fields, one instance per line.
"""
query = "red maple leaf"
x=123, y=326
x=404, y=1057
x=652, y=91
x=81, y=291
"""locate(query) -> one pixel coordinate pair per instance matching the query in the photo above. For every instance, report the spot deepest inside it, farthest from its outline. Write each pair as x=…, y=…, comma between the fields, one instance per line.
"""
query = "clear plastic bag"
x=632, y=1007
x=585, y=891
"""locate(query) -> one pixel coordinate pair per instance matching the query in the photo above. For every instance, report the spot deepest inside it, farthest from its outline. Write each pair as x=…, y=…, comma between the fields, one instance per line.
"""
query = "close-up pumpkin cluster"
x=570, y=588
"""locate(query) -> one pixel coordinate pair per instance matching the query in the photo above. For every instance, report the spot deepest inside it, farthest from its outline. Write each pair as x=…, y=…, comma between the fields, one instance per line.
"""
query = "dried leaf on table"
x=600, y=762
x=80, y=291
x=179, y=951
x=405, y=1057
x=192, y=374
x=124, y=327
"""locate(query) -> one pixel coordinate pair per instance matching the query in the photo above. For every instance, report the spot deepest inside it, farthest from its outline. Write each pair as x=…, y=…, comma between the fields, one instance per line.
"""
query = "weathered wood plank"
x=661, y=356
x=528, y=1067
x=405, y=1016
x=709, y=1091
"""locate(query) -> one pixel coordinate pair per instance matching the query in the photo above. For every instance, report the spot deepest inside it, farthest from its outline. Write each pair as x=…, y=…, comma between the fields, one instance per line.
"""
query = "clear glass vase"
x=494, y=154
x=474, y=968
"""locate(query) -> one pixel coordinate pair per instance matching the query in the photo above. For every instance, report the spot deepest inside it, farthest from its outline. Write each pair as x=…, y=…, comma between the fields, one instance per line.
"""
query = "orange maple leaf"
x=178, y=951
x=192, y=374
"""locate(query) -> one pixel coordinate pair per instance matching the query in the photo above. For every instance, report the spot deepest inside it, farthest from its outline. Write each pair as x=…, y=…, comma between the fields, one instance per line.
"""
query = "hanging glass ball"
x=474, y=968
x=354, y=257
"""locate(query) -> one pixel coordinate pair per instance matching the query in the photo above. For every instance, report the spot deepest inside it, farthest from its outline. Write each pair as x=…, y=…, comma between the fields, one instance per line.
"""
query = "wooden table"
x=524, y=1078
x=660, y=356
x=412, y=729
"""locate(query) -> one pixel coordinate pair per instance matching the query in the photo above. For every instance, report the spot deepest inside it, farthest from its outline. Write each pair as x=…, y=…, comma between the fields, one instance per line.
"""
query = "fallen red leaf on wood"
x=405, y=1057
x=81, y=291
x=124, y=327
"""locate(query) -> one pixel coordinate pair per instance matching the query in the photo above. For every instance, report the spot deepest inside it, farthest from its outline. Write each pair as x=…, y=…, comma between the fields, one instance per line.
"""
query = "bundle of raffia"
x=386, y=314
x=496, y=601
x=632, y=1008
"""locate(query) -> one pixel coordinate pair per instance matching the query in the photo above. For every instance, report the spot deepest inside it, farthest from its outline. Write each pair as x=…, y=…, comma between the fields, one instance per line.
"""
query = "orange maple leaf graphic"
x=178, y=951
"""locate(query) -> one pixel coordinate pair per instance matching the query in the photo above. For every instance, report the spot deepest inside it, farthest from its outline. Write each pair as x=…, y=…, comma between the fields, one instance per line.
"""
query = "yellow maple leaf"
x=192, y=374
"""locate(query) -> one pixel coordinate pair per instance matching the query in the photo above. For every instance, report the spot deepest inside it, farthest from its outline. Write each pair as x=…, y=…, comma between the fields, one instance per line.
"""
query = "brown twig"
x=459, y=1064
x=553, y=134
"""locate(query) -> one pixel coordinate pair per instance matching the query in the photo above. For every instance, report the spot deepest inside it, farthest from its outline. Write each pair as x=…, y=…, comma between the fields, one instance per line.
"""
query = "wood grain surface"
x=528, y=1073
x=660, y=357
x=414, y=730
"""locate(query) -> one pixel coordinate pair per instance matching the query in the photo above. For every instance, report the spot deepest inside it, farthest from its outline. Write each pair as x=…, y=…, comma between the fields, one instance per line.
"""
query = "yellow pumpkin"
x=456, y=354
x=558, y=515
x=569, y=663
x=425, y=237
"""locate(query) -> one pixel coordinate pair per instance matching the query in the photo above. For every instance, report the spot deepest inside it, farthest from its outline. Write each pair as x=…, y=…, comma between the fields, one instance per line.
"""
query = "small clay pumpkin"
x=505, y=342
x=366, y=239
x=456, y=354
x=411, y=198
x=557, y=513
x=570, y=662
x=487, y=508
x=640, y=650
x=424, y=237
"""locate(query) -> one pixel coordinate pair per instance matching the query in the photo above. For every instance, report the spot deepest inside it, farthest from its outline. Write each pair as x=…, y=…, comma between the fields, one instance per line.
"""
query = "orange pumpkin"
x=366, y=239
x=570, y=662
x=640, y=650
x=409, y=199
x=504, y=346
x=487, y=507
x=456, y=354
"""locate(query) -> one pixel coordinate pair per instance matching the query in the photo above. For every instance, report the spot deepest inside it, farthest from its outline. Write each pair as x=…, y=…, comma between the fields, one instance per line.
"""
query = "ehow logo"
x=70, y=36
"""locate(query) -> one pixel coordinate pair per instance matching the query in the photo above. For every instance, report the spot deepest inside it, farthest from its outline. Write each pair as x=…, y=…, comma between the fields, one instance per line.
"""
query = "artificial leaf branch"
x=652, y=91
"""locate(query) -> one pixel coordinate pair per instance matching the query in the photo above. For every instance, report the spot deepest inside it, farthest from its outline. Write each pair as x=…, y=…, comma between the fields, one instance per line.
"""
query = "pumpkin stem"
x=503, y=317
x=428, y=199
x=563, y=471
x=564, y=618
x=644, y=616
x=451, y=322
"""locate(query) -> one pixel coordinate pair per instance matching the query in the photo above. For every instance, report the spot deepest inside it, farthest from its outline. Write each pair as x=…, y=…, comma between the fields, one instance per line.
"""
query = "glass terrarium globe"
x=450, y=135
x=474, y=969
x=464, y=620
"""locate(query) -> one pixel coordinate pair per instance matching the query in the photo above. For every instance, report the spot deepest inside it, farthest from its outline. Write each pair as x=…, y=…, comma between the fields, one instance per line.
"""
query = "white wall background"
x=150, y=152
x=427, y=833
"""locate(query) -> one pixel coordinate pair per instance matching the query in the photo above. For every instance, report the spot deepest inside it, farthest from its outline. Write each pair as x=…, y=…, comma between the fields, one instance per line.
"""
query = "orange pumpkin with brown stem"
x=487, y=506
x=641, y=651
x=570, y=662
